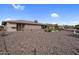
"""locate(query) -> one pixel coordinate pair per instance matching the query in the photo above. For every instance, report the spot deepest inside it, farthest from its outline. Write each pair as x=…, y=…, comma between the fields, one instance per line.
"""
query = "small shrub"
x=48, y=30
x=77, y=27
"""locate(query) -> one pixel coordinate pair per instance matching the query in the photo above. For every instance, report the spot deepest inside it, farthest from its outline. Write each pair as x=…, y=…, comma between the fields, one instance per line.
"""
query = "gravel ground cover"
x=40, y=43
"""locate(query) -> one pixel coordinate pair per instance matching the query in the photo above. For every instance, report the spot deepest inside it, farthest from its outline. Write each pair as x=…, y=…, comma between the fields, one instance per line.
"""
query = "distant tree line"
x=68, y=27
x=77, y=26
x=52, y=27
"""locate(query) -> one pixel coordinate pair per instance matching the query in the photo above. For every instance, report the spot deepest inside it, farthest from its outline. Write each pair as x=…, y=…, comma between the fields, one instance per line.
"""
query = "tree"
x=51, y=27
x=77, y=26
x=35, y=21
x=56, y=27
x=66, y=26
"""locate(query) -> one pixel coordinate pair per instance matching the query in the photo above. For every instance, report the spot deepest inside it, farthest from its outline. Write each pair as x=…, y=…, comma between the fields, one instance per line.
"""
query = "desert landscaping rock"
x=40, y=43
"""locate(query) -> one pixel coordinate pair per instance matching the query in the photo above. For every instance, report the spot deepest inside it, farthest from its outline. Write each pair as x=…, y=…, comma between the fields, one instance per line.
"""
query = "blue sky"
x=44, y=13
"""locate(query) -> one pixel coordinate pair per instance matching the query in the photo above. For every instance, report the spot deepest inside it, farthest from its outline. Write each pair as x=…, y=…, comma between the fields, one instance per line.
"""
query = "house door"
x=20, y=27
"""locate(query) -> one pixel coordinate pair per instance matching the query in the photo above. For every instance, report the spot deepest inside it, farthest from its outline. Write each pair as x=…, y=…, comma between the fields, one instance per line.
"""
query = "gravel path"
x=41, y=43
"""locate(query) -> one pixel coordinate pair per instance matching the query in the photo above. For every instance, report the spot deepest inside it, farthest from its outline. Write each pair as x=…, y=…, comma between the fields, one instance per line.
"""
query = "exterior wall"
x=9, y=27
x=32, y=27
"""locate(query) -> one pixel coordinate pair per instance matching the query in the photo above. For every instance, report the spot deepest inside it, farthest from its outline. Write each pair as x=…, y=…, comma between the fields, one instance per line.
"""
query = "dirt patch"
x=41, y=43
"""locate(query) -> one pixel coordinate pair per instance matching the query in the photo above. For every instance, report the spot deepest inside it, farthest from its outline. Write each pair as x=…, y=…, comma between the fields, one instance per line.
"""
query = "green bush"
x=56, y=27
x=77, y=27
x=47, y=30
x=51, y=27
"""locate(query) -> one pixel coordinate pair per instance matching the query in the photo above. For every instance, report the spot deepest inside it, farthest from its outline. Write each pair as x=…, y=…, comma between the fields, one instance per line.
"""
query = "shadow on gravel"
x=73, y=35
x=3, y=34
x=76, y=51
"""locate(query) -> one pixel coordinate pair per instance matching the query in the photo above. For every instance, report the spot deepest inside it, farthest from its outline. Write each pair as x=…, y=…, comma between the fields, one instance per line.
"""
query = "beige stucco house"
x=21, y=25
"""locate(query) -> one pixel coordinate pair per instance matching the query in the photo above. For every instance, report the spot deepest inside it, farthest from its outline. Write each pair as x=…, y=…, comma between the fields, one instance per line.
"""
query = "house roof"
x=23, y=22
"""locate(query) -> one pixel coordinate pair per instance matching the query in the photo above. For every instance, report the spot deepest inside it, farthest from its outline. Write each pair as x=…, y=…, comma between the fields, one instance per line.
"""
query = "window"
x=13, y=27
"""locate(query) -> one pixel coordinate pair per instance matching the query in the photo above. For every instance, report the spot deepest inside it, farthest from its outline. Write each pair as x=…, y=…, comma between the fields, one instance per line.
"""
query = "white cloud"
x=55, y=15
x=18, y=7
x=7, y=19
x=54, y=23
x=71, y=23
x=0, y=22
x=74, y=22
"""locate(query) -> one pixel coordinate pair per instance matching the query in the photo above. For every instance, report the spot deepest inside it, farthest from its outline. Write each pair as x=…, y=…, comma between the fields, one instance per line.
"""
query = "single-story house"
x=22, y=25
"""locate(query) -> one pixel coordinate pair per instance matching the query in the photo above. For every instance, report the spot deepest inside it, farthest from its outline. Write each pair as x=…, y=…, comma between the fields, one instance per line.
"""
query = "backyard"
x=39, y=43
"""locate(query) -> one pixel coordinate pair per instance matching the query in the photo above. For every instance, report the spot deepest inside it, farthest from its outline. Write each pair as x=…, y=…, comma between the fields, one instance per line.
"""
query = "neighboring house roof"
x=22, y=21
